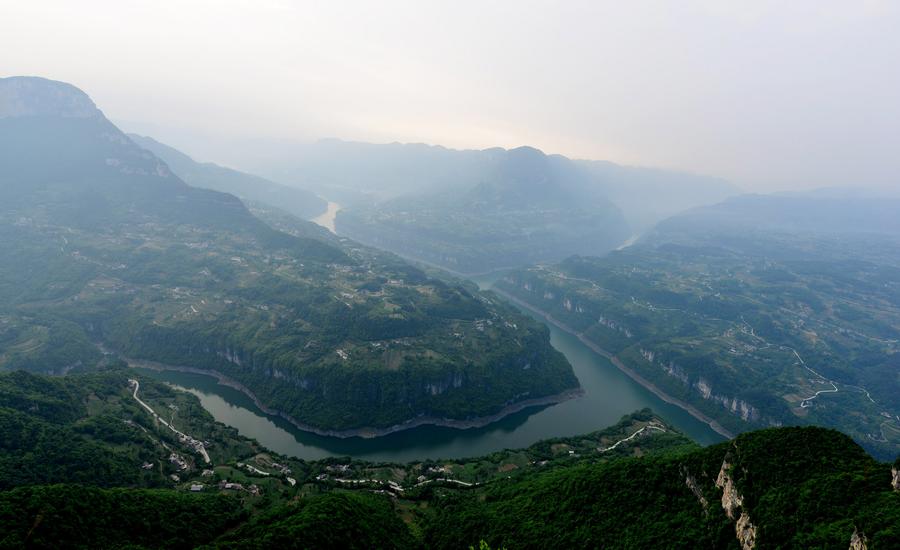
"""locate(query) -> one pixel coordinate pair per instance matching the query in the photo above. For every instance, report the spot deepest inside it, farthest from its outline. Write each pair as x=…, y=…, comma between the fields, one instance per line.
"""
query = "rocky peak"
x=858, y=541
x=22, y=96
x=732, y=503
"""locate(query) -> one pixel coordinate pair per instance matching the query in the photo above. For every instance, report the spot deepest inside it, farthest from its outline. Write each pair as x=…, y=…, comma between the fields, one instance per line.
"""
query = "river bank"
x=690, y=409
x=326, y=219
x=366, y=432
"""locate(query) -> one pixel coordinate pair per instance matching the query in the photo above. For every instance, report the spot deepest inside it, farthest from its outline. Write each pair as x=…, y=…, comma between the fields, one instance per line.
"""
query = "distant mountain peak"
x=526, y=151
x=22, y=96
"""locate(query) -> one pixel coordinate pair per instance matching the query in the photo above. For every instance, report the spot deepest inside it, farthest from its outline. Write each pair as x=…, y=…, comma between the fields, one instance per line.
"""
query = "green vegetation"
x=801, y=488
x=104, y=249
x=636, y=484
x=333, y=520
x=522, y=207
x=248, y=187
x=88, y=429
x=73, y=516
x=752, y=327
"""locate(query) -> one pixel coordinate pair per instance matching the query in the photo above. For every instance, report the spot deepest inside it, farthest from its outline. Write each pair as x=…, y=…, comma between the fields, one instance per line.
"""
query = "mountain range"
x=89, y=461
x=106, y=250
x=768, y=316
x=296, y=201
x=474, y=211
x=758, y=311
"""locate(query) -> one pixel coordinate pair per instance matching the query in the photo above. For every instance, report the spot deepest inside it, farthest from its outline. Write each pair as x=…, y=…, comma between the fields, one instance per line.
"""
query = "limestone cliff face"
x=691, y=483
x=895, y=478
x=732, y=503
x=858, y=541
x=32, y=96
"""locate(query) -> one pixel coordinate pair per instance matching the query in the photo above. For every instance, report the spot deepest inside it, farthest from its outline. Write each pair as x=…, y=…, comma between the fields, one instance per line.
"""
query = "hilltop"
x=111, y=252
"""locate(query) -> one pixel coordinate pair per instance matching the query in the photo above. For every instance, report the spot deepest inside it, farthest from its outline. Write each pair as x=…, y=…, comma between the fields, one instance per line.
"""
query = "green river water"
x=608, y=395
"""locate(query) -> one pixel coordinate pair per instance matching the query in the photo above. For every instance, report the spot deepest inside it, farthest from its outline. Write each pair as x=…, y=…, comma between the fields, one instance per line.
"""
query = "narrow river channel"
x=609, y=394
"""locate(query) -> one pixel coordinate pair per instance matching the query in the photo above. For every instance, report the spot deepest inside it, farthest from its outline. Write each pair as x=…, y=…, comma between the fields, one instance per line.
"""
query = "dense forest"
x=107, y=250
x=754, y=327
x=636, y=484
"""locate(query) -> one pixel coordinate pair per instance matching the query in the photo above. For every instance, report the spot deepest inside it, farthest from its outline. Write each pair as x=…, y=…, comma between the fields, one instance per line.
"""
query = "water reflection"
x=609, y=394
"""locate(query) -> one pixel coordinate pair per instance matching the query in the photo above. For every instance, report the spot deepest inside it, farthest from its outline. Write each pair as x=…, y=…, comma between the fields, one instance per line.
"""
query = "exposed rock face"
x=731, y=499
x=691, y=482
x=858, y=541
x=746, y=532
x=33, y=96
x=732, y=503
x=895, y=481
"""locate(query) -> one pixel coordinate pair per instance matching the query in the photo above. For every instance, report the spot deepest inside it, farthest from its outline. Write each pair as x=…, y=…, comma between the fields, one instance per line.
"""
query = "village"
x=265, y=473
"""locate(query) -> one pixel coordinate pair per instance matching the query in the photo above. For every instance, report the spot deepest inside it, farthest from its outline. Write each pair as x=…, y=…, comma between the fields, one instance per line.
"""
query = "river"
x=326, y=219
x=608, y=395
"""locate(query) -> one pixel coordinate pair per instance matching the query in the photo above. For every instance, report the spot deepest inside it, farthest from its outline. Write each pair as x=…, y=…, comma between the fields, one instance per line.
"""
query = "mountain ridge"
x=296, y=201
x=107, y=245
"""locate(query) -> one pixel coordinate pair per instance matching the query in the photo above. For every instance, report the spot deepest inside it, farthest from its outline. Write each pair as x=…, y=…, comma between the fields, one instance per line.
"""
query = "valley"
x=608, y=394
x=107, y=246
x=449, y=275
x=749, y=332
x=640, y=475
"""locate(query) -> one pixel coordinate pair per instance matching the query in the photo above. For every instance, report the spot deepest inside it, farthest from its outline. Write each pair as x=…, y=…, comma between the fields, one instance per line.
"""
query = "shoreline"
x=690, y=409
x=367, y=432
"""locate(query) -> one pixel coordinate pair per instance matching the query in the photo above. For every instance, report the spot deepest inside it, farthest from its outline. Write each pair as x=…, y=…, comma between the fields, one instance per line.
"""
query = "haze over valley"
x=573, y=274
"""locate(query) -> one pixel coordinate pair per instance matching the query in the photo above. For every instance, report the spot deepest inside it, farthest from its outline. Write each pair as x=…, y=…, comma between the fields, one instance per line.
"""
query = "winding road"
x=195, y=443
x=630, y=437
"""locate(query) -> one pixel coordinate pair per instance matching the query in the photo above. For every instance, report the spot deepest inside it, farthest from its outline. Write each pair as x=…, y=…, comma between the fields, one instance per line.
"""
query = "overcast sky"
x=770, y=94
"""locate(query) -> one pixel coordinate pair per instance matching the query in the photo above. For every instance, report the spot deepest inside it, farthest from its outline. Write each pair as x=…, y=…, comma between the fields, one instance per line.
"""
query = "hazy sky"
x=770, y=94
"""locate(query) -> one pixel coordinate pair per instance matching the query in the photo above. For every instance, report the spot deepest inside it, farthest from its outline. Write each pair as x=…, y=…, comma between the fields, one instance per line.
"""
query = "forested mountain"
x=248, y=187
x=524, y=207
x=473, y=211
x=801, y=215
x=638, y=484
x=760, y=311
x=103, y=247
x=359, y=174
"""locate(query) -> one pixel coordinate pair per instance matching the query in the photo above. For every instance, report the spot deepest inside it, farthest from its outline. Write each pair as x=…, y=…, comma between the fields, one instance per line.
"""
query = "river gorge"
x=608, y=395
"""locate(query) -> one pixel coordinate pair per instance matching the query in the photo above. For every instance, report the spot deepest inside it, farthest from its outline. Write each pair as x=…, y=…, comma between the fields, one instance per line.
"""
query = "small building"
x=196, y=487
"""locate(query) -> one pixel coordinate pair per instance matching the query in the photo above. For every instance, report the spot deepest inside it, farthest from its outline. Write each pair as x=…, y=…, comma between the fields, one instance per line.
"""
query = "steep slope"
x=358, y=174
x=758, y=311
x=638, y=484
x=63, y=161
x=415, y=198
x=101, y=243
x=780, y=488
x=248, y=187
x=524, y=207
x=73, y=516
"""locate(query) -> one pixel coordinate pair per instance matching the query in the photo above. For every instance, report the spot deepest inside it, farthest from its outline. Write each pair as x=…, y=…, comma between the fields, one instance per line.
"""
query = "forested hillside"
x=758, y=312
x=108, y=251
x=523, y=207
x=299, y=202
x=636, y=484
